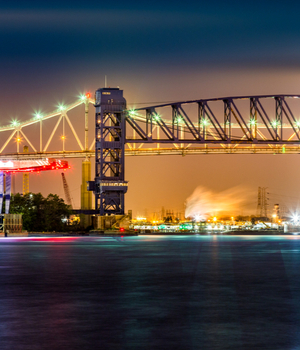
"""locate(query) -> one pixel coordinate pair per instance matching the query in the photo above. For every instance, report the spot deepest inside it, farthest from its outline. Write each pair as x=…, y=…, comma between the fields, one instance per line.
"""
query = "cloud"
x=110, y=19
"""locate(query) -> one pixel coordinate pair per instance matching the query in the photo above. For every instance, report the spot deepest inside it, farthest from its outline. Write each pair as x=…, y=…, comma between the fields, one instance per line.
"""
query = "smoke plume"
x=204, y=203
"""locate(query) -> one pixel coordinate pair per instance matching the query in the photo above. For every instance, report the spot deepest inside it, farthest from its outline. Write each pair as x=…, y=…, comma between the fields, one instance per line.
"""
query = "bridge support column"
x=25, y=176
x=86, y=196
x=109, y=186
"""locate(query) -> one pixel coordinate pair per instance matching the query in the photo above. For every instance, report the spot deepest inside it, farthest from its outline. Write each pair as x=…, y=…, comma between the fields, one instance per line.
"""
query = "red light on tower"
x=88, y=95
x=122, y=229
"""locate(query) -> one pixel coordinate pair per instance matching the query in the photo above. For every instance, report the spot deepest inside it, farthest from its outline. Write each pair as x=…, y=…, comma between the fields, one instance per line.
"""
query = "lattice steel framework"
x=231, y=125
x=272, y=125
x=225, y=125
x=109, y=186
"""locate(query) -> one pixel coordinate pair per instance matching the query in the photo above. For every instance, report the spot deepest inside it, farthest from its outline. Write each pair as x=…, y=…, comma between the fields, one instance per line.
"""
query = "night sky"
x=158, y=51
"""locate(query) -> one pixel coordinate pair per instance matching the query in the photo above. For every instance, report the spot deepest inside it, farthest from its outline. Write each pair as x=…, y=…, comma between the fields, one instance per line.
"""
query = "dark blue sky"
x=214, y=32
x=63, y=46
x=155, y=51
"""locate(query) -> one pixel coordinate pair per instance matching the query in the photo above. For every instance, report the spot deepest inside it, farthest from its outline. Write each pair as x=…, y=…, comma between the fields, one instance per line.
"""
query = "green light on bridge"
x=132, y=112
x=275, y=123
x=38, y=115
x=15, y=122
x=204, y=122
x=61, y=107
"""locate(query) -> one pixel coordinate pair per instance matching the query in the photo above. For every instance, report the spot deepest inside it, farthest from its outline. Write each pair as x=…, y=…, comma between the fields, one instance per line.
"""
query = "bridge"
x=231, y=125
x=248, y=124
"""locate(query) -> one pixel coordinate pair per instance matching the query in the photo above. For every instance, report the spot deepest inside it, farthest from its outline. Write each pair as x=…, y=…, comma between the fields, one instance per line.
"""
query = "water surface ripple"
x=150, y=292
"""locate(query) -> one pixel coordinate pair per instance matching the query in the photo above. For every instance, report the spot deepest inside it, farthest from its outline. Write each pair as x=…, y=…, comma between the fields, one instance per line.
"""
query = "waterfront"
x=164, y=292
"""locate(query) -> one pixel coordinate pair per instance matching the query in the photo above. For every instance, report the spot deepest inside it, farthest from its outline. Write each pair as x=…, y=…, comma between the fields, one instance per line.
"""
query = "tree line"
x=41, y=214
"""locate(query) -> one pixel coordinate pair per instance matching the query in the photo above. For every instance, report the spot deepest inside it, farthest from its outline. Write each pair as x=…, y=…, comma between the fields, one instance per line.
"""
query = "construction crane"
x=67, y=191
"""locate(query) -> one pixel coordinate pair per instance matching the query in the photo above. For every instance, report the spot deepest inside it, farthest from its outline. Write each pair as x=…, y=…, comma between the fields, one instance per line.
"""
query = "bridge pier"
x=86, y=196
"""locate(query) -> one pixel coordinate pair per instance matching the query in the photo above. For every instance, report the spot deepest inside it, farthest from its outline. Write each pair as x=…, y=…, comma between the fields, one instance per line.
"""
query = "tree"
x=41, y=214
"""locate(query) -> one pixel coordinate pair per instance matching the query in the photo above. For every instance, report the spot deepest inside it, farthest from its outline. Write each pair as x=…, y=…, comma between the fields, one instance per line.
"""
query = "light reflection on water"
x=146, y=292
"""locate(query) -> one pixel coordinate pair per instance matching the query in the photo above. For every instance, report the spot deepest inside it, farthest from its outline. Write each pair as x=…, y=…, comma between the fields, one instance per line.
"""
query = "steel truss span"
x=231, y=125
x=248, y=124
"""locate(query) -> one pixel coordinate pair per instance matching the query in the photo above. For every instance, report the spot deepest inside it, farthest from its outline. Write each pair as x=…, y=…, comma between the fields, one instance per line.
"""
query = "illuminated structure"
x=25, y=176
x=24, y=166
x=109, y=186
x=229, y=125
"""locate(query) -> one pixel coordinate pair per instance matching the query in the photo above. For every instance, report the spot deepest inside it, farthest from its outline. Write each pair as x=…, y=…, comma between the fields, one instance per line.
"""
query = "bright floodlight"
x=61, y=107
x=38, y=116
x=85, y=96
x=295, y=218
x=252, y=121
x=298, y=123
x=204, y=122
x=132, y=112
x=199, y=217
x=14, y=123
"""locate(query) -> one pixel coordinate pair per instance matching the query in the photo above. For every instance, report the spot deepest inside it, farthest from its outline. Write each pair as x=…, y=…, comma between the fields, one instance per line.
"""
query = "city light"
x=199, y=217
x=296, y=218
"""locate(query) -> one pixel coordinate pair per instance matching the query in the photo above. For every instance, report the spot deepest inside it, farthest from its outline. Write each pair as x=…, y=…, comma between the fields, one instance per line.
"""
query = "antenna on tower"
x=105, y=81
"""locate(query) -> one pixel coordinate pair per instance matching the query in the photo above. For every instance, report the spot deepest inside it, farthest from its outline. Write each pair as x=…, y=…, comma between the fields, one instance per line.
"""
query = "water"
x=150, y=292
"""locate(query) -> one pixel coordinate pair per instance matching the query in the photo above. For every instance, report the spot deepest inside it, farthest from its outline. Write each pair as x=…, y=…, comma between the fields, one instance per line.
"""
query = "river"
x=150, y=292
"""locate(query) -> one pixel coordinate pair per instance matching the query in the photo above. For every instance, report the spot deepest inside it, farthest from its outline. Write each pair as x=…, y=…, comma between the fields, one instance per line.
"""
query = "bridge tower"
x=109, y=186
